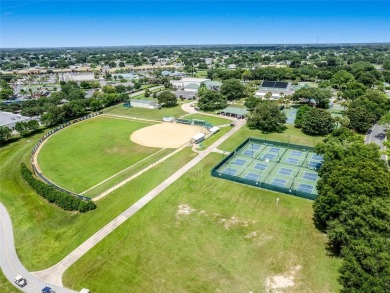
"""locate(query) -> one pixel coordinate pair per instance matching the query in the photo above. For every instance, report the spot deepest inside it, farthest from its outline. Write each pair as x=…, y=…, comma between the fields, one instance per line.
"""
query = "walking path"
x=191, y=110
x=54, y=274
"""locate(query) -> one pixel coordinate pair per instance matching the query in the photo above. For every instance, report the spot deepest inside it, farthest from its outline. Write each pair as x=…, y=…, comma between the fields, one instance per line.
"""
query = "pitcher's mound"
x=165, y=135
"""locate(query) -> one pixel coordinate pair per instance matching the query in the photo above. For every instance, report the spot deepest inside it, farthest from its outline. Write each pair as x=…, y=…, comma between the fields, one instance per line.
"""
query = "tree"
x=267, y=117
x=300, y=115
x=167, y=99
x=232, y=89
x=319, y=95
x=341, y=78
x=317, y=122
x=210, y=101
x=251, y=102
x=386, y=65
x=5, y=134
x=360, y=118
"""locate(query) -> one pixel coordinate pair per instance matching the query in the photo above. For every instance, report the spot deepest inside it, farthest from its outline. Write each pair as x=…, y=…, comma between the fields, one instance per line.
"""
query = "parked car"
x=20, y=281
x=47, y=290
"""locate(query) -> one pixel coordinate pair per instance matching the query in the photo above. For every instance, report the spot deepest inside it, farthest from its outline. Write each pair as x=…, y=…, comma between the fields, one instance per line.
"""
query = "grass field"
x=5, y=286
x=44, y=234
x=210, y=119
x=154, y=114
x=229, y=238
x=91, y=151
x=291, y=134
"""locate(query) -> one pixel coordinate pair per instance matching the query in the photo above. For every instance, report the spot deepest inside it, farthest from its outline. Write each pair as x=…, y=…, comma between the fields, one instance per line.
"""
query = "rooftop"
x=234, y=111
x=7, y=118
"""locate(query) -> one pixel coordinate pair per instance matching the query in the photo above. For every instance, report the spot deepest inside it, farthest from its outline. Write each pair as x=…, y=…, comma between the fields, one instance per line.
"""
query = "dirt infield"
x=165, y=135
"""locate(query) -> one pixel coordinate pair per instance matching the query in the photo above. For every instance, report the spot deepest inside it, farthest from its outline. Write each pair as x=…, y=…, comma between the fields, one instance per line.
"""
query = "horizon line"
x=200, y=45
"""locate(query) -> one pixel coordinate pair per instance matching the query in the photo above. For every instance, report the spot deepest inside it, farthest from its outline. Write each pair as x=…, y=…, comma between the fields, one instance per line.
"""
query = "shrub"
x=52, y=195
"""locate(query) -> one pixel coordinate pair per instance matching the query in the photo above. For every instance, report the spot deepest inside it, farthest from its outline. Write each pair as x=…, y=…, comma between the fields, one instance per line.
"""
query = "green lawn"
x=154, y=114
x=234, y=238
x=291, y=134
x=91, y=151
x=5, y=285
x=213, y=138
x=44, y=234
x=210, y=119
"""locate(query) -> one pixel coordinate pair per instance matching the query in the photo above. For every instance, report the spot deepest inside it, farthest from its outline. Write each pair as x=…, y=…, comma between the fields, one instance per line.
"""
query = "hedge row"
x=52, y=195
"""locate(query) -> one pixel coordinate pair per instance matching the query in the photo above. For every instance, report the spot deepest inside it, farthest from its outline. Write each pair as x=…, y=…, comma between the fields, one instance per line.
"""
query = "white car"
x=20, y=281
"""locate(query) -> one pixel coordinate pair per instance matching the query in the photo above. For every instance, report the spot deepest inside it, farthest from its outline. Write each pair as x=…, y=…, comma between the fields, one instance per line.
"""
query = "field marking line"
x=120, y=184
x=54, y=274
x=105, y=180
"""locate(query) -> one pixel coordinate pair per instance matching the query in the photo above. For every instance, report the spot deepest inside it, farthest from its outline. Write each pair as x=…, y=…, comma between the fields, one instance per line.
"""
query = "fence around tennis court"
x=257, y=183
x=44, y=138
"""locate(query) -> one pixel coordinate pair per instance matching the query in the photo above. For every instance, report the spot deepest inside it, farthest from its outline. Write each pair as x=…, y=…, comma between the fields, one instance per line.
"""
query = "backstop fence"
x=46, y=136
x=288, y=190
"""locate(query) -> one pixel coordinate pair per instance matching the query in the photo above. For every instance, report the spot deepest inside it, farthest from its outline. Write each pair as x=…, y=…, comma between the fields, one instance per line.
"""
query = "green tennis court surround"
x=277, y=166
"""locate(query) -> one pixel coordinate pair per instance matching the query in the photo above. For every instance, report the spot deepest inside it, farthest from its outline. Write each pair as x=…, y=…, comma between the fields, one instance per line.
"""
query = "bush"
x=52, y=195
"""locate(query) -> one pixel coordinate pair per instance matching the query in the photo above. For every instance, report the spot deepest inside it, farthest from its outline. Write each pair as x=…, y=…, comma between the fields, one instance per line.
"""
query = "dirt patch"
x=281, y=283
x=184, y=209
x=165, y=135
x=235, y=222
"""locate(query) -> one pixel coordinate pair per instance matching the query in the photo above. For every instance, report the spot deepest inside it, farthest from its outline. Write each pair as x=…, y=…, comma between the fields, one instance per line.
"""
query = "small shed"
x=197, y=138
x=214, y=129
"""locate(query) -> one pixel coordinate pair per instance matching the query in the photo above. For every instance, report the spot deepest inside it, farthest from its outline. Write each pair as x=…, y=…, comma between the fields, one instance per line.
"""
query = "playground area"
x=282, y=167
x=166, y=135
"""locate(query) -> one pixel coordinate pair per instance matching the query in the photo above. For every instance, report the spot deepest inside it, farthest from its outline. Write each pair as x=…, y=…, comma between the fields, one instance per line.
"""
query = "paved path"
x=191, y=110
x=54, y=273
x=377, y=136
x=10, y=263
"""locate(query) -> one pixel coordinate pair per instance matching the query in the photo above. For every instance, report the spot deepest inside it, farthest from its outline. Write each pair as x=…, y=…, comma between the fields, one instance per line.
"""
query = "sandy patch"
x=184, y=209
x=165, y=135
x=235, y=222
x=281, y=283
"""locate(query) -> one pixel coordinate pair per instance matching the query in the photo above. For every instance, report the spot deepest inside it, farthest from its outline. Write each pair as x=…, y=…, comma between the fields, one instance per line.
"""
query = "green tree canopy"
x=300, y=115
x=210, y=101
x=167, y=99
x=267, y=117
x=232, y=89
x=317, y=122
x=319, y=95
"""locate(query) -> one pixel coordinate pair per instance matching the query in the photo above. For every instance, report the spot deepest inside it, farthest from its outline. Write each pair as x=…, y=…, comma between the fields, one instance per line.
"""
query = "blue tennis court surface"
x=255, y=146
x=248, y=153
x=261, y=166
x=318, y=157
x=296, y=153
x=314, y=165
x=252, y=176
x=279, y=182
x=238, y=162
x=285, y=171
x=230, y=171
x=274, y=150
x=269, y=156
x=292, y=161
x=305, y=188
x=310, y=176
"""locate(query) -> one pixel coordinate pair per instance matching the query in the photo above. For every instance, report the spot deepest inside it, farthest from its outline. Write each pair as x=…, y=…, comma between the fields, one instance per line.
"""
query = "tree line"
x=353, y=208
x=61, y=199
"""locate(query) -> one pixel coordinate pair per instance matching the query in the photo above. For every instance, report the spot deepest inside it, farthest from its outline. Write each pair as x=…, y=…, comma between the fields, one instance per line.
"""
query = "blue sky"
x=73, y=23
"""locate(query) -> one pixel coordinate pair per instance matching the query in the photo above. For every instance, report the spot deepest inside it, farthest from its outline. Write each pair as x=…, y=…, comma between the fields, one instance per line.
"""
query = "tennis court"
x=282, y=167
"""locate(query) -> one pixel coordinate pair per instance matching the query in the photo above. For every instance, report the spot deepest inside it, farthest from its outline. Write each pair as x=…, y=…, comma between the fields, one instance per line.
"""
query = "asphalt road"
x=10, y=263
x=377, y=136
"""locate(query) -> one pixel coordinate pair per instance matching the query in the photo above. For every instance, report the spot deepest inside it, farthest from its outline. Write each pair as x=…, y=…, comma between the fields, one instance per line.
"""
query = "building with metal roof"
x=234, y=112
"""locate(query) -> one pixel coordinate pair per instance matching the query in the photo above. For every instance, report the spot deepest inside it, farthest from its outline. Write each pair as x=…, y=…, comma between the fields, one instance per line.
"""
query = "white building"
x=185, y=81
